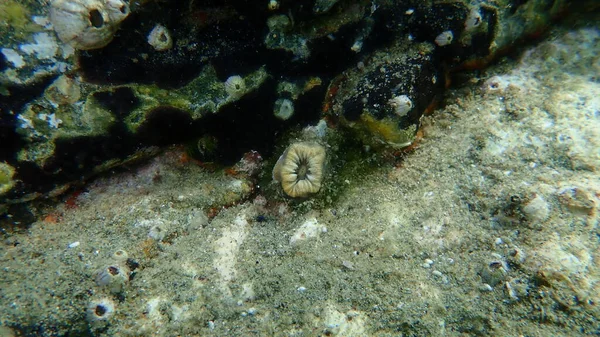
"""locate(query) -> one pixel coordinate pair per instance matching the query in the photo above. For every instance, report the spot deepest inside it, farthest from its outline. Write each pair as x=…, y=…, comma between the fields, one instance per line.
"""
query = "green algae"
x=203, y=95
x=15, y=19
x=6, y=177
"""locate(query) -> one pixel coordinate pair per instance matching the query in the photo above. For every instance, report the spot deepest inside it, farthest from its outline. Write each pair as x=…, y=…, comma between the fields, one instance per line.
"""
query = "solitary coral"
x=87, y=24
x=300, y=169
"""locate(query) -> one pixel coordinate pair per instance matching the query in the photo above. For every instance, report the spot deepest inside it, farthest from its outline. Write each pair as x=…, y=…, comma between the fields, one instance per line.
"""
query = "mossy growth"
x=6, y=178
x=386, y=132
x=15, y=16
x=204, y=95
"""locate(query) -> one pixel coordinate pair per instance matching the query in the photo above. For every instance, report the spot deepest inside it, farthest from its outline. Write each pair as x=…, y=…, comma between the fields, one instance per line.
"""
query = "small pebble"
x=74, y=244
x=486, y=287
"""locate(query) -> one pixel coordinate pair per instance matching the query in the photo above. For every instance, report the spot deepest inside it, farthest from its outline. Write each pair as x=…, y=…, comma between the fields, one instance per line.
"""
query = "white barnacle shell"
x=401, y=104
x=473, y=20
x=273, y=5
x=113, y=277
x=100, y=310
x=235, y=86
x=283, y=108
x=87, y=24
x=160, y=38
x=444, y=39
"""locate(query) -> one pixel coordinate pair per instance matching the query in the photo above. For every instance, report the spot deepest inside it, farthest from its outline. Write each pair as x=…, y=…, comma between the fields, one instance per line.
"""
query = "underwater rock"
x=100, y=108
x=135, y=115
x=384, y=97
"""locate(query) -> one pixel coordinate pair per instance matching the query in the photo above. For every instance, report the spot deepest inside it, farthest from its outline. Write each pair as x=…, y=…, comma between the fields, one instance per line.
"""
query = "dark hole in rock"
x=166, y=125
x=121, y=101
x=3, y=62
x=100, y=310
x=96, y=18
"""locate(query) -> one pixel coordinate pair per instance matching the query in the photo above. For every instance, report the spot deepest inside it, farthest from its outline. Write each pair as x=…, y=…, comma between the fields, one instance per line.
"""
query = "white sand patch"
x=226, y=249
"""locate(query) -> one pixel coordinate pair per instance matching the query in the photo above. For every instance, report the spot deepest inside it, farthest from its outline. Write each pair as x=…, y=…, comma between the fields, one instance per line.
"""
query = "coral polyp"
x=300, y=169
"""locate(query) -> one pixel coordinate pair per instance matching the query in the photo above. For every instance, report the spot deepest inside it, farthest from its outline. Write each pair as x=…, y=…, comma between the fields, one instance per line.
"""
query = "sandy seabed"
x=489, y=227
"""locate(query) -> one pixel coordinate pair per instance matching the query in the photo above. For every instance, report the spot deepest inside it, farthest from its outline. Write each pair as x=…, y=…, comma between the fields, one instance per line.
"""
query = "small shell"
x=444, y=39
x=235, y=86
x=160, y=38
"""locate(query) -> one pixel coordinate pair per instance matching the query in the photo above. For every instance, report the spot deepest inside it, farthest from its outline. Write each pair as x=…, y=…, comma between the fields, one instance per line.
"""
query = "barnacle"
x=100, y=310
x=235, y=86
x=283, y=108
x=401, y=105
x=113, y=277
x=300, y=169
x=87, y=24
x=445, y=38
x=160, y=38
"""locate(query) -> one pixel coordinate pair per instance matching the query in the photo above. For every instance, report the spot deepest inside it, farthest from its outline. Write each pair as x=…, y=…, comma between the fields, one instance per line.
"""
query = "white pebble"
x=486, y=287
